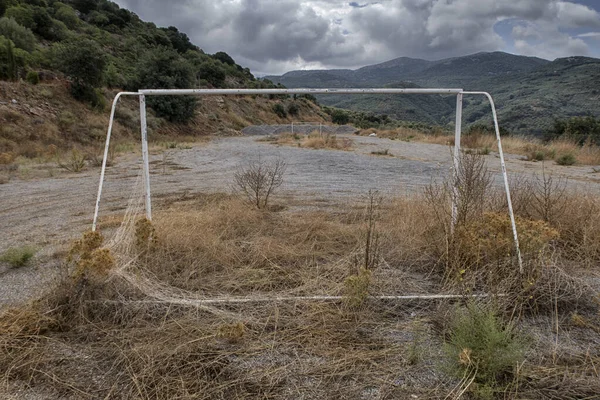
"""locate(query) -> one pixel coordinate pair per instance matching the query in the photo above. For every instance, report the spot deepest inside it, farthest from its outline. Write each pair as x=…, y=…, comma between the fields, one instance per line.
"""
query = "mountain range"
x=530, y=93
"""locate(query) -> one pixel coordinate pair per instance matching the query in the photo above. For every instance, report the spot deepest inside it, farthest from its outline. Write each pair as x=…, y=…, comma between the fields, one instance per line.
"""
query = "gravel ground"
x=49, y=213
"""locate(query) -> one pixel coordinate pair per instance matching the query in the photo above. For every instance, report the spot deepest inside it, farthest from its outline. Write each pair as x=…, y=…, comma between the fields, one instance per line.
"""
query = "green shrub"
x=482, y=346
x=212, y=72
x=8, y=63
x=340, y=117
x=85, y=6
x=3, y=6
x=356, y=288
x=75, y=163
x=23, y=16
x=18, y=256
x=33, y=77
x=279, y=110
x=578, y=128
x=164, y=68
x=566, y=159
x=57, y=32
x=113, y=77
x=98, y=18
x=179, y=40
x=293, y=109
x=82, y=60
x=224, y=58
x=67, y=15
x=22, y=37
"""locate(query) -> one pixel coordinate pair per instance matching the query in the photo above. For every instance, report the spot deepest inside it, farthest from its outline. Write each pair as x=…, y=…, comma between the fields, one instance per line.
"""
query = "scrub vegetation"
x=138, y=318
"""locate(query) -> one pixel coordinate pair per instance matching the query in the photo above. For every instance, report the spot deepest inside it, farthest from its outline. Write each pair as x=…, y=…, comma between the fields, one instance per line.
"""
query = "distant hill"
x=530, y=92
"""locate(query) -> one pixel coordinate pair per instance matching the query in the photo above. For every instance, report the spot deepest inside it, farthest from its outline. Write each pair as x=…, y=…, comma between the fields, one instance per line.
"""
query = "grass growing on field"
x=127, y=324
x=18, y=256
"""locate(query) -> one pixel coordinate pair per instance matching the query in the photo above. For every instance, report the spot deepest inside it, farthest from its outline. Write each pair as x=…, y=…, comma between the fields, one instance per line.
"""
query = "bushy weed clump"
x=18, y=257
x=89, y=259
x=566, y=159
x=482, y=350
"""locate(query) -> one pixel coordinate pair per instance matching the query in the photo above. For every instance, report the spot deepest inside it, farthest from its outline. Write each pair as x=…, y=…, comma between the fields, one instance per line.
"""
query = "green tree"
x=212, y=72
x=164, y=68
x=85, y=6
x=22, y=37
x=293, y=109
x=67, y=15
x=340, y=117
x=98, y=18
x=4, y=4
x=279, y=109
x=83, y=61
x=23, y=15
x=8, y=64
x=179, y=40
x=224, y=58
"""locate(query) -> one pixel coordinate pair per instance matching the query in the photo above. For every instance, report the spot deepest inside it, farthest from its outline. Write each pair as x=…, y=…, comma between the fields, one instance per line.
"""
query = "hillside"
x=61, y=63
x=530, y=92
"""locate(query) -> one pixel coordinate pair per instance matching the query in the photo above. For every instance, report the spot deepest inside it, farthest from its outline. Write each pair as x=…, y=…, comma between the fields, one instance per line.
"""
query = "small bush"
x=536, y=152
x=259, y=180
x=22, y=37
x=482, y=251
x=145, y=234
x=384, y=152
x=67, y=15
x=356, y=288
x=33, y=77
x=293, y=109
x=83, y=60
x=18, y=256
x=232, y=333
x=279, y=110
x=537, y=156
x=482, y=347
x=89, y=259
x=566, y=159
x=75, y=163
x=340, y=117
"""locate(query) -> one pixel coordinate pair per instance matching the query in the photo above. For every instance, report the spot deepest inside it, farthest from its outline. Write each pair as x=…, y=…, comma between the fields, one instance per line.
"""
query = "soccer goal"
x=297, y=127
x=459, y=93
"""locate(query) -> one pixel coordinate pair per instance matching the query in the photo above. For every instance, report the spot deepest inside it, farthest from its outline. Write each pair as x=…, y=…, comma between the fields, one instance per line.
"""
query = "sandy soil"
x=49, y=213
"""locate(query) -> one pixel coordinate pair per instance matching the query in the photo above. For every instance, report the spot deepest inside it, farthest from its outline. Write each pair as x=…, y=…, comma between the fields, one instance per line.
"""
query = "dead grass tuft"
x=315, y=140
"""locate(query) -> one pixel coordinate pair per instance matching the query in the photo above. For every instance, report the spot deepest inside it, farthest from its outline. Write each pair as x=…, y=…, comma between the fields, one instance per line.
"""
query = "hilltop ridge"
x=530, y=92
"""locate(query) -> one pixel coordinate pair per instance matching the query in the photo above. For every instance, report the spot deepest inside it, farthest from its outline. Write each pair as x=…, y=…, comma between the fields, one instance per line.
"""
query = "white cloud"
x=589, y=35
x=571, y=15
x=272, y=36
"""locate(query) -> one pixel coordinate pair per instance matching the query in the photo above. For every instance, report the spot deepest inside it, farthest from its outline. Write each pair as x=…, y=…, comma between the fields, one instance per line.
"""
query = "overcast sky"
x=275, y=36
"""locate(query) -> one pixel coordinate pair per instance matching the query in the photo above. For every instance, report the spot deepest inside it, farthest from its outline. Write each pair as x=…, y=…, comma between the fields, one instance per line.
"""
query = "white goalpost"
x=221, y=92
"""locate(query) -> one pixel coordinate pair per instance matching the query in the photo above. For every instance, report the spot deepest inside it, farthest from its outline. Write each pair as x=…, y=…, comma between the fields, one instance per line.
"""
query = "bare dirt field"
x=49, y=213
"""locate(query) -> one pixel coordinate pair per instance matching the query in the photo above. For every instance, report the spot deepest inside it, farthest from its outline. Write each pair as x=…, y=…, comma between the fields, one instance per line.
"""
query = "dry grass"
x=137, y=332
x=534, y=149
x=46, y=123
x=315, y=141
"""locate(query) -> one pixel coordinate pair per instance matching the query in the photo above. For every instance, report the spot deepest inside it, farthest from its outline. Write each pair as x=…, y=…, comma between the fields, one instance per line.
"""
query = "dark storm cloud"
x=272, y=36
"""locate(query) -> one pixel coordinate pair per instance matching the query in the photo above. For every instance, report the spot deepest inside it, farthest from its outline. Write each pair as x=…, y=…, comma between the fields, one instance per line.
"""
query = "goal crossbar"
x=353, y=91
